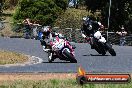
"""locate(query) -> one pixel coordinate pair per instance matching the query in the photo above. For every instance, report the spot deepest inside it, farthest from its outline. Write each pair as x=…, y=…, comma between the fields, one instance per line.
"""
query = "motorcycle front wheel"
x=70, y=56
x=112, y=52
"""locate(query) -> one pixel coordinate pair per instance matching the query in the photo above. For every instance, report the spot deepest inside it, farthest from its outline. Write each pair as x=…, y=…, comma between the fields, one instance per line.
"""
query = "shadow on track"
x=95, y=55
x=56, y=62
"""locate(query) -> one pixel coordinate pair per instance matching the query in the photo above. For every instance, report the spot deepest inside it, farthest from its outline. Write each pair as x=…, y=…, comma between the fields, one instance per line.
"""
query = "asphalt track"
x=89, y=59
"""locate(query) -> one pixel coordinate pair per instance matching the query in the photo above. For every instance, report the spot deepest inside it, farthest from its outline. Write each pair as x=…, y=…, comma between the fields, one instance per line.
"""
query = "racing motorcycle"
x=100, y=44
x=62, y=49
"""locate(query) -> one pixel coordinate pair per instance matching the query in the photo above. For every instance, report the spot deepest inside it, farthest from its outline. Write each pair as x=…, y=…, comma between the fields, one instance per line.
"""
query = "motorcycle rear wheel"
x=112, y=52
x=110, y=49
x=100, y=50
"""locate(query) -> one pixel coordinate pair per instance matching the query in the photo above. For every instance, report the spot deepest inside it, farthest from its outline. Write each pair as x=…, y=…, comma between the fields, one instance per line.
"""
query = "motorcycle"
x=62, y=49
x=100, y=44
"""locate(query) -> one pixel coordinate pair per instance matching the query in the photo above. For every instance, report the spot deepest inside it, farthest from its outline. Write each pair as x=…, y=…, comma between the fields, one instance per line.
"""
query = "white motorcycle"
x=101, y=45
x=97, y=41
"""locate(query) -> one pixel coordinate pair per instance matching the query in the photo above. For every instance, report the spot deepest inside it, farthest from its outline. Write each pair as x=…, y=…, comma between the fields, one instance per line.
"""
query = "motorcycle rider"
x=53, y=35
x=89, y=27
x=46, y=37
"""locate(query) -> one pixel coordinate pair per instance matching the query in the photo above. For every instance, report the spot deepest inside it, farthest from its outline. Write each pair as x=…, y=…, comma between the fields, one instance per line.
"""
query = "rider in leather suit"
x=89, y=27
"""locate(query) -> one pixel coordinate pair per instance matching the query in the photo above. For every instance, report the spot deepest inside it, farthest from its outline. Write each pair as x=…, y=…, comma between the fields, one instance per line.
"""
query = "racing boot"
x=52, y=57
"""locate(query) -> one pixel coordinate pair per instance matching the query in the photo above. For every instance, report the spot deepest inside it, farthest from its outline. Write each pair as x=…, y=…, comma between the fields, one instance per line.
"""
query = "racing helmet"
x=46, y=29
x=86, y=20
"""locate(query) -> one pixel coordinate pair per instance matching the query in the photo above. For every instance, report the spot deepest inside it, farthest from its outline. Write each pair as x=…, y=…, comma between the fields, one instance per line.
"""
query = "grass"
x=7, y=57
x=54, y=83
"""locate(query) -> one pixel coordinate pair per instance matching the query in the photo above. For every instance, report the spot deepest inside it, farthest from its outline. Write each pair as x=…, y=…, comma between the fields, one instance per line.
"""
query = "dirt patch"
x=7, y=57
x=35, y=76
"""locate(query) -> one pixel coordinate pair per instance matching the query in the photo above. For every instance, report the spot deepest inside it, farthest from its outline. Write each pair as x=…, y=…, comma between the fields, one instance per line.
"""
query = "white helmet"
x=46, y=29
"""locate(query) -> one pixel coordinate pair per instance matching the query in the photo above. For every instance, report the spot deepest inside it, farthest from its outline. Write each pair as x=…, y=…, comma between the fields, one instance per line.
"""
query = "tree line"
x=121, y=12
x=47, y=11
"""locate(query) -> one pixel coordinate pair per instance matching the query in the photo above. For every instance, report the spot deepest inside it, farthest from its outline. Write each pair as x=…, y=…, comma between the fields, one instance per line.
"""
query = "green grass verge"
x=7, y=57
x=54, y=83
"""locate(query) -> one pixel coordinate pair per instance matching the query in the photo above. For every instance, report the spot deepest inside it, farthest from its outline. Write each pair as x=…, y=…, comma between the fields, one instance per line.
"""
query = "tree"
x=9, y=3
x=62, y=4
x=94, y=5
x=120, y=11
x=46, y=11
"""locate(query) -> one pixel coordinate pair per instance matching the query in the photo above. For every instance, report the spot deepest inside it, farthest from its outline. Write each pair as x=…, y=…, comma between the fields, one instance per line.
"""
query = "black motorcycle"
x=101, y=45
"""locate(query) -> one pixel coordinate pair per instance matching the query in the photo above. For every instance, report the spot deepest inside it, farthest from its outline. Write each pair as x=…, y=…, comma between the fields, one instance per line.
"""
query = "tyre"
x=69, y=56
x=100, y=50
x=97, y=50
x=112, y=52
x=103, y=53
x=110, y=49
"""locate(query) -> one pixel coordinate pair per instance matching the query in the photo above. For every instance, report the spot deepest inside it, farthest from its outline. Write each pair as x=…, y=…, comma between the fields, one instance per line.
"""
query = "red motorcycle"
x=62, y=49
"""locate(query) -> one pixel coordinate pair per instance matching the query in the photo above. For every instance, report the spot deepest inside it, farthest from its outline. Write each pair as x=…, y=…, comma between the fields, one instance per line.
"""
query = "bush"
x=71, y=18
